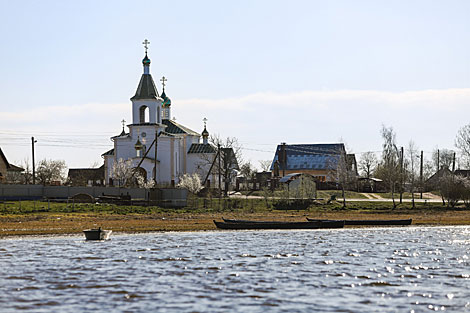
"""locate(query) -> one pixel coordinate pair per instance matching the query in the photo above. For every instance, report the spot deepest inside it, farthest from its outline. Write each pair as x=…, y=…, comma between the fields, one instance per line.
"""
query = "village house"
x=318, y=160
x=86, y=176
x=6, y=168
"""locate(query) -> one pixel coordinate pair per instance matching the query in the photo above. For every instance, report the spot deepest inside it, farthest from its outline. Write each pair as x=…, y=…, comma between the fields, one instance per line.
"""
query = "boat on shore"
x=97, y=234
x=401, y=222
x=243, y=224
x=226, y=220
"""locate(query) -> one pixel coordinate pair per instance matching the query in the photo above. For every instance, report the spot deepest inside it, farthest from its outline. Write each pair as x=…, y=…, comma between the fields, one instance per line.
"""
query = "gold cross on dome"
x=123, y=122
x=205, y=121
x=163, y=80
x=146, y=43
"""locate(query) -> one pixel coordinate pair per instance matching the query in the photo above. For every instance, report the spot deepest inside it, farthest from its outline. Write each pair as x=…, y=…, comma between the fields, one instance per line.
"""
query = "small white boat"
x=97, y=234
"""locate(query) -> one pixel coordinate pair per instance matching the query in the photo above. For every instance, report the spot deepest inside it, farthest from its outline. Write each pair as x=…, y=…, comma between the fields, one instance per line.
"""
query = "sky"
x=264, y=72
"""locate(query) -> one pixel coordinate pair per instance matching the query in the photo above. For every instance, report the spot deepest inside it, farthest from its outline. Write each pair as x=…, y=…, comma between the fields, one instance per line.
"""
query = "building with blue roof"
x=318, y=160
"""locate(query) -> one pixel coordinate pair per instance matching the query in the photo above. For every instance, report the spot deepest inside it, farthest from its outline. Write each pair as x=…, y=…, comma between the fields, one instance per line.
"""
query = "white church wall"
x=199, y=163
x=154, y=107
x=164, y=156
x=190, y=140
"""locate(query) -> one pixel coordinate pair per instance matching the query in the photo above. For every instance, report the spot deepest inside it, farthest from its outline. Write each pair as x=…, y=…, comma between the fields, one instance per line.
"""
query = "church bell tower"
x=146, y=103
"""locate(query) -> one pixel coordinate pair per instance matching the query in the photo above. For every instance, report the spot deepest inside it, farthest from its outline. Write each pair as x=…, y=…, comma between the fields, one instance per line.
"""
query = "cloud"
x=262, y=120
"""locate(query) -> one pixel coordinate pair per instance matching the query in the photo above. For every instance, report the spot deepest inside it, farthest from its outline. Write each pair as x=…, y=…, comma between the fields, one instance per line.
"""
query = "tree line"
x=405, y=168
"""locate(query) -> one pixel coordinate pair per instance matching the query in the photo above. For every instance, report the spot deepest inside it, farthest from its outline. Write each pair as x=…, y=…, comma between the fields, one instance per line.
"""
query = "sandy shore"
x=72, y=223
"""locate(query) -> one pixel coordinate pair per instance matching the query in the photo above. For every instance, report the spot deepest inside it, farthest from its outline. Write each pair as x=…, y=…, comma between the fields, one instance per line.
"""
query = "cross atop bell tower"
x=146, y=43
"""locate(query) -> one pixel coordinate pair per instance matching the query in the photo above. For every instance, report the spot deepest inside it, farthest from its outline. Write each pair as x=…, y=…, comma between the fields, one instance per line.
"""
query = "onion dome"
x=166, y=99
x=146, y=60
x=205, y=133
x=138, y=145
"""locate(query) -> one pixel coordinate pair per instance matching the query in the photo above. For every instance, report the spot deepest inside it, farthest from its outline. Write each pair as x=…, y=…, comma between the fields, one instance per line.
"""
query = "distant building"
x=463, y=173
x=432, y=183
x=6, y=167
x=86, y=176
x=318, y=160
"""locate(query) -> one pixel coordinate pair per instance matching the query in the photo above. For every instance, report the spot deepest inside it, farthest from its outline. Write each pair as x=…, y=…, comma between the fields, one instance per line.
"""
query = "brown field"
x=73, y=223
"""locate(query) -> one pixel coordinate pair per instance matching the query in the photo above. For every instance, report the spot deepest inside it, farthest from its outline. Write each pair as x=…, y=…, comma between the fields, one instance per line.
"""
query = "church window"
x=144, y=114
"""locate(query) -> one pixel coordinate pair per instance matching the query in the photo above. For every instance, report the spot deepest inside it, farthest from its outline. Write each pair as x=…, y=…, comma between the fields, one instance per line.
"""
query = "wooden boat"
x=226, y=220
x=240, y=224
x=370, y=222
x=97, y=234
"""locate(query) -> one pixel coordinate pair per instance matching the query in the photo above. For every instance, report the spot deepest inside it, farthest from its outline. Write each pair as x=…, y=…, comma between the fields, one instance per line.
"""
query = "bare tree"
x=412, y=167
x=265, y=165
x=445, y=158
x=338, y=169
x=18, y=176
x=226, y=162
x=49, y=171
x=389, y=167
x=368, y=163
x=248, y=172
x=462, y=142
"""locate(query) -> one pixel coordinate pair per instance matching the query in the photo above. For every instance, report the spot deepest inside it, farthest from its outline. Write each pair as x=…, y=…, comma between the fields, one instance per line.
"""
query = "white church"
x=157, y=147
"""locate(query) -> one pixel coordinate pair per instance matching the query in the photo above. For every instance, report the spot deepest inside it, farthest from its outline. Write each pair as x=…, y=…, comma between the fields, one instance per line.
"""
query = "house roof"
x=4, y=158
x=228, y=155
x=146, y=88
x=436, y=176
x=14, y=168
x=465, y=173
x=175, y=128
x=94, y=173
x=201, y=148
x=310, y=156
x=109, y=152
x=10, y=167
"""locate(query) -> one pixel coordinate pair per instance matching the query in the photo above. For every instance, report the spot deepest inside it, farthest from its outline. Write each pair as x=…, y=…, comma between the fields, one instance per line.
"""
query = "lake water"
x=404, y=269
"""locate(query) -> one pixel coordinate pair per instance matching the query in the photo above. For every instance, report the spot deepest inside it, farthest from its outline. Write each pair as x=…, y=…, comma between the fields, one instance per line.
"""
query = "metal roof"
x=109, y=152
x=146, y=88
x=175, y=128
x=201, y=148
x=310, y=156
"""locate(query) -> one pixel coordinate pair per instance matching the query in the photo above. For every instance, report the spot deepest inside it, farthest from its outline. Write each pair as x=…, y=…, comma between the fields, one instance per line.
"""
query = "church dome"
x=166, y=99
x=138, y=145
x=146, y=60
x=205, y=133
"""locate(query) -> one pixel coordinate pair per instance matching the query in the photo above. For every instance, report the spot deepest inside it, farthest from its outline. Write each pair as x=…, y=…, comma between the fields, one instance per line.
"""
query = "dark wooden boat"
x=97, y=234
x=278, y=225
x=370, y=222
x=226, y=220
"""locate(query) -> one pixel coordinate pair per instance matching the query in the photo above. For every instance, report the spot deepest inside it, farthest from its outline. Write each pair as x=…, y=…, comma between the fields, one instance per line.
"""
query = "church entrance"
x=140, y=172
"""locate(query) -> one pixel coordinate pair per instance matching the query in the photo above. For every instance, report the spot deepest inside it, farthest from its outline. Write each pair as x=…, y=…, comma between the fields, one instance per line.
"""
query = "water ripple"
x=351, y=270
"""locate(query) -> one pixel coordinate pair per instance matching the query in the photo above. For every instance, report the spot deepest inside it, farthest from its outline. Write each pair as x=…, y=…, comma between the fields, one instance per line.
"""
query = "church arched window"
x=144, y=114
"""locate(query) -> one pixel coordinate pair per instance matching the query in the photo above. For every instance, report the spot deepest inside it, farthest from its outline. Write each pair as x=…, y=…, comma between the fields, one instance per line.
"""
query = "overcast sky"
x=262, y=71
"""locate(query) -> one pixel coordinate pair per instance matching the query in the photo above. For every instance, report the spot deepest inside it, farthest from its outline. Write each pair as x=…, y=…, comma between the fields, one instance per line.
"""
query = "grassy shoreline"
x=27, y=218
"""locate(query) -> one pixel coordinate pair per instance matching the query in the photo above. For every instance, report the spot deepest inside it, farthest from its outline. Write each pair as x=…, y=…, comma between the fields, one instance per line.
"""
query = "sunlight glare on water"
x=402, y=269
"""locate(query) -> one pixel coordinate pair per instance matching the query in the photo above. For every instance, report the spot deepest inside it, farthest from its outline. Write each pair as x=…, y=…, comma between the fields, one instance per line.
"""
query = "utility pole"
x=438, y=161
x=401, y=175
x=453, y=163
x=421, y=176
x=283, y=158
x=220, y=169
x=34, y=163
x=155, y=172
